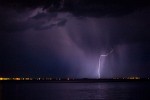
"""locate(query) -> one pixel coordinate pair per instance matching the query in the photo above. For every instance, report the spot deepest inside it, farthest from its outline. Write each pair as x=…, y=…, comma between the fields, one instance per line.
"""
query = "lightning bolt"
x=101, y=56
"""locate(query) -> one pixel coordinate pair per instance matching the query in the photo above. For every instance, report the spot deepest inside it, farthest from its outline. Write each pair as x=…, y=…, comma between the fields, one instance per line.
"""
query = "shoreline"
x=76, y=81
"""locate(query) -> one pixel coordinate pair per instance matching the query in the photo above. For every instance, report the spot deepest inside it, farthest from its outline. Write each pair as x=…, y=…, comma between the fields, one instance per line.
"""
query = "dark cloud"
x=43, y=15
x=93, y=8
x=13, y=21
x=98, y=8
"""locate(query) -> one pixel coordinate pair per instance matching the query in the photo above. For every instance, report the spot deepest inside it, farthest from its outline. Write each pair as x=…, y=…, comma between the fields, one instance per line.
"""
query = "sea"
x=75, y=91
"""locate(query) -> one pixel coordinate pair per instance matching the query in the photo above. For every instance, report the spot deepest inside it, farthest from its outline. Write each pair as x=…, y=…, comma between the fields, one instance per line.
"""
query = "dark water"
x=75, y=91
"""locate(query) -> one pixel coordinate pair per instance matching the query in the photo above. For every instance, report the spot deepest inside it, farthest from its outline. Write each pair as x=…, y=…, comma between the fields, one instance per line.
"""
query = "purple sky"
x=65, y=38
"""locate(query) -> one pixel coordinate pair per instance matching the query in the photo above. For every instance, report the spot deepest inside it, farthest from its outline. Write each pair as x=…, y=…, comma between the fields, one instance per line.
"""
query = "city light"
x=67, y=79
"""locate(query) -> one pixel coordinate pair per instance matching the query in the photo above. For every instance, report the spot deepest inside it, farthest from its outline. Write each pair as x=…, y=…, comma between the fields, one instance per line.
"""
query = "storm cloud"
x=64, y=38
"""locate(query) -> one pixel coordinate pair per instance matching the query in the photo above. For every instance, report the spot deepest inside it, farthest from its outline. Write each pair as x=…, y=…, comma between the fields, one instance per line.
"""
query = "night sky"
x=64, y=38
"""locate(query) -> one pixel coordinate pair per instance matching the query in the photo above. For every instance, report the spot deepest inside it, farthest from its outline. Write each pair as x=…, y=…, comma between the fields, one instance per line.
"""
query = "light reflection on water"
x=74, y=91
